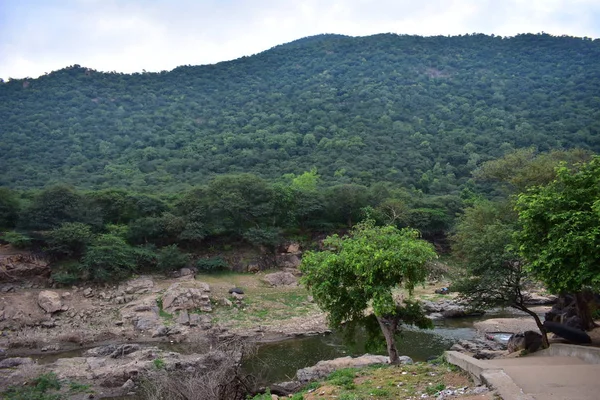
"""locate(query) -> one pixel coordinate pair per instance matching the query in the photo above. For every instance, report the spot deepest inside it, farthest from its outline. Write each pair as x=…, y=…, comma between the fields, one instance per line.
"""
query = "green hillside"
x=416, y=111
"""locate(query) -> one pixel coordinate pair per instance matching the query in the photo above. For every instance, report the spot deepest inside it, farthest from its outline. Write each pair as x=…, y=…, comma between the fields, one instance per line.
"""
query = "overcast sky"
x=39, y=36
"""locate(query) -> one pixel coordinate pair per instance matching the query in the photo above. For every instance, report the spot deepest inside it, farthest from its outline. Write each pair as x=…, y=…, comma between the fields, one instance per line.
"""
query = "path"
x=562, y=372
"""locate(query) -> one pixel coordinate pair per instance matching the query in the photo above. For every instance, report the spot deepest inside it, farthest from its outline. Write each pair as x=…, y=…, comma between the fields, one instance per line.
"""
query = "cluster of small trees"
x=546, y=227
x=111, y=233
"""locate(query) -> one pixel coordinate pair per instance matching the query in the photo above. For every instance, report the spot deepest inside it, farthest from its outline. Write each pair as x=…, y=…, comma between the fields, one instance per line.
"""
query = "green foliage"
x=67, y=272
x=170, y=258
x=109, y=258
x=69, y=239
x=16, y=239
x=44, y=387
x=493, y=273
x=159, y=363
x=343, y=377
x=365, y=267
x=208, y=265
x=9, y=208
x=422, y=112
x=560, y=235
x=360, y=270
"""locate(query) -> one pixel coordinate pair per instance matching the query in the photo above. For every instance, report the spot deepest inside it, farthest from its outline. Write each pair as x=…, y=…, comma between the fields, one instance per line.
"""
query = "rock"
x=569, y=333
x=124, y=349
x=178, y=298
x=528, y=340
x=287, y=260
x=226, y=302
x=280, y=279
x=488, y=354
x=201, y=320
x=535, y=299
x=160, y=331
x=183, y=318
x=66, y=296
x=443, y=290
x=138, y=286
x=324, y=368
x=128, y=386
x=15, y=362
x=237, y=297
x=236, y=290
x=7, y=288
x=146, y=323
x=253, y=268
x=49, y=301
x=293, y=247
x=88, y=293
x=48, y=324
x=51, y=347
x=186, y=271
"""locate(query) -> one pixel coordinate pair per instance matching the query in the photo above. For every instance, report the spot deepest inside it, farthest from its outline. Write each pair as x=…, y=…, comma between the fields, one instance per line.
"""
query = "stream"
x=278, y=361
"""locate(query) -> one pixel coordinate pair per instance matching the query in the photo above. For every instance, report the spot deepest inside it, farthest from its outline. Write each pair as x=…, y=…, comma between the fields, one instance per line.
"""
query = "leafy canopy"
x=560, y=235
x=361, y=269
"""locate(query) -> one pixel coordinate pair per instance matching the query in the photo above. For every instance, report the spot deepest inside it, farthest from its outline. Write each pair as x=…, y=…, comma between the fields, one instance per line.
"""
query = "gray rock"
x=178, y=298
x=324, y=368
x=146, y=323
x=236, y=290
x=15, y=362
x=128, y=385
x=88, y=292
x=49, y=301
x=138, y=286
x=160, y=331
x=183, y=318
x=528, y=340
x=280, y=279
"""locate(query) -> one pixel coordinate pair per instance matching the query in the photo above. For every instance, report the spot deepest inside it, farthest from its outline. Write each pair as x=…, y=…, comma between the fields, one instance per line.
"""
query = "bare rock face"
x=324, y=368
x=280, y=279
x=138, y=286
x=20, y=266
x=50, y=301
x=288, y=260
x=178, y=298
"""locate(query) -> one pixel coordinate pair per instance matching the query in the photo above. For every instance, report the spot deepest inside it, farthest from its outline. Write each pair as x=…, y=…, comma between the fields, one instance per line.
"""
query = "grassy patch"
x=45, y=387
x=387, y=382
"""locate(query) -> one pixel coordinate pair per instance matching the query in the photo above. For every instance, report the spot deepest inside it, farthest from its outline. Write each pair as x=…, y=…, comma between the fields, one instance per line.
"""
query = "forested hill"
x=417, y=111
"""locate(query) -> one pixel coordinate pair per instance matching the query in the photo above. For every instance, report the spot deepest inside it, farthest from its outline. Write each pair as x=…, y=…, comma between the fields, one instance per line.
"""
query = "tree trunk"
x=538, y=322
x=583, y=311
x=388, y=326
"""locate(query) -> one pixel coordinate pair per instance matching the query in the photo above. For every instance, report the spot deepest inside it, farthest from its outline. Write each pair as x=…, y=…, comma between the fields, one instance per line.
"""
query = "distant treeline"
x=108, y=234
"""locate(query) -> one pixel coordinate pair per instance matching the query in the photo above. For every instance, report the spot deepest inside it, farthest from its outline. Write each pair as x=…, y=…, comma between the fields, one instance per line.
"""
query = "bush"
x=170, y=258
x=209, y=265
x=16, y=239
x=69, y=240
x=109, y=257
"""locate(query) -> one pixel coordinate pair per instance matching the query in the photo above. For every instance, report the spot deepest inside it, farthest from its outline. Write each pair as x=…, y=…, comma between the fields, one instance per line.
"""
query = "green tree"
x=109, y=258
x=362, y=269
x=560, y=232
x=9, y=208
x=69, y=240
x=494, y=274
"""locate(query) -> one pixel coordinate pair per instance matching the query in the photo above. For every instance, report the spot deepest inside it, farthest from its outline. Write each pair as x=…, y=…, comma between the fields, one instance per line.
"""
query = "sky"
x=40, y=36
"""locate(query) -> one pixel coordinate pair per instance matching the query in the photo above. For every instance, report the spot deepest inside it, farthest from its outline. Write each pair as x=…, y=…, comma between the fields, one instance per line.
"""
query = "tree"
x=9, y=208
x=362, y=269
x=109, y=258
x=494, y=274
x=69, y=240
x=560, y=234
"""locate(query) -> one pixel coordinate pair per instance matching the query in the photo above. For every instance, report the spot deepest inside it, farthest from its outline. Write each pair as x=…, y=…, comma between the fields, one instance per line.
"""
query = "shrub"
x=170, y=258
x=16, y=239
x=209, y=265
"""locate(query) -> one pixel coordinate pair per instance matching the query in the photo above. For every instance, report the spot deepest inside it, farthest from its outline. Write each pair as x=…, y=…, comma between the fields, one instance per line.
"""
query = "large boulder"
x=50, y=301
x=324, y=368
x=138, y=286
x=178, y=298
x=529, y=340
x=280, y=279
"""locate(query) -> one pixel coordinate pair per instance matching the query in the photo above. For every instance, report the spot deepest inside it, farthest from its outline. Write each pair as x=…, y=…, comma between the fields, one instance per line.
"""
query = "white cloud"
x=37, y=36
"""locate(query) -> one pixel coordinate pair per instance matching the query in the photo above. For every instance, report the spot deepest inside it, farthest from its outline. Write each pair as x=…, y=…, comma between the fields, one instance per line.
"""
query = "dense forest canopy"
x=421, y=112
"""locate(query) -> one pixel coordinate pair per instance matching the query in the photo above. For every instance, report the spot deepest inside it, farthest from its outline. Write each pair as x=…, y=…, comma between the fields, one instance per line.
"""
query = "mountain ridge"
x=407, y=109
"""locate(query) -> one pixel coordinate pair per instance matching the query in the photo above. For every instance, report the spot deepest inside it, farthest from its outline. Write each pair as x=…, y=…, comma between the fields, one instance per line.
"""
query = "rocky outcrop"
x=22, y=266
x=177, y=298
x=280, y=279
x=50, y=301
x=535, y=299
x=529, y=340
x=449, y=309
x=480, y=348
x=138, y=286
x=326, y=367
x=109, y=368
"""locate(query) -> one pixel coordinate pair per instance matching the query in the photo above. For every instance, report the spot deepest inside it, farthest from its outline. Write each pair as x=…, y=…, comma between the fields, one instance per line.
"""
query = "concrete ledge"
x=467, y=363
x=589, y=354
x=497, y=380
